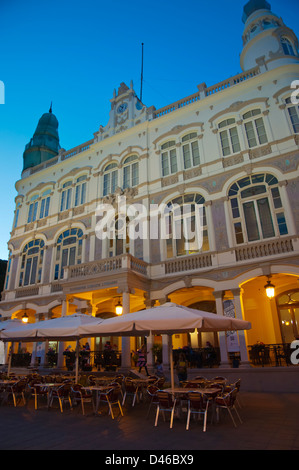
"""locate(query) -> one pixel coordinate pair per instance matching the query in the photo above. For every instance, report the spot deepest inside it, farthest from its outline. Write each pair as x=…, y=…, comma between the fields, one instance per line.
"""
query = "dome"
x=267, y=41
x=254, y=5
x=44, y=144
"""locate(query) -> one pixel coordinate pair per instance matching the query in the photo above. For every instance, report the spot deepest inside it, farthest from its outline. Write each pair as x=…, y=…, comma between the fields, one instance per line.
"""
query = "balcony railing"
x=264, y=249
x=108, y=265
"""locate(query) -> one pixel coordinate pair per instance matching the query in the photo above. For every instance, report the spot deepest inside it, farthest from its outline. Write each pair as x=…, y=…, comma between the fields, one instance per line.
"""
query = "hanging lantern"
x=119, y=308
x=25, y=318
x=270, y=289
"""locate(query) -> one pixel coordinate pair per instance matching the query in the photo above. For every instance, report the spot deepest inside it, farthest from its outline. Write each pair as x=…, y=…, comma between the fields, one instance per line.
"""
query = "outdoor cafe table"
x=185, y=390
x=97, y=388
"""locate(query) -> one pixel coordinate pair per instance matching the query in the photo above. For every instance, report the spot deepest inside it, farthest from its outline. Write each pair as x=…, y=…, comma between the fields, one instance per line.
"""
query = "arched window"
x=80, y=190
x=183, y=225
x=131, y=172
x=288, y=308
x=31, y=263
x=257, y=209
x=190, y=150
x=68, y=250
x=110, y=179
x=169, y=158
x=254, y=127
x=229, y=137
x=287, y=46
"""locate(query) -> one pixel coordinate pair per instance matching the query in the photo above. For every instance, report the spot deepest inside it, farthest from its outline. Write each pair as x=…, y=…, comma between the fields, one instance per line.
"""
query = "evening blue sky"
x=74, y=53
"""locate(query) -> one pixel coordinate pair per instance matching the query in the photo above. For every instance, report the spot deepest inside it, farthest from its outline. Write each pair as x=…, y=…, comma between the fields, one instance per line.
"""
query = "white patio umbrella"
x=10, y=323
x=169, y=319
x=58, y=329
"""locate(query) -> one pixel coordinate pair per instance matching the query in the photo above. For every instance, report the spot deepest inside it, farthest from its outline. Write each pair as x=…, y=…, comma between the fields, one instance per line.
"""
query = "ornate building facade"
x=233, y=147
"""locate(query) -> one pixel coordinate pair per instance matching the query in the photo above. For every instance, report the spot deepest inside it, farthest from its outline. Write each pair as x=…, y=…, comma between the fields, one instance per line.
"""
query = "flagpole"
x=142, y=44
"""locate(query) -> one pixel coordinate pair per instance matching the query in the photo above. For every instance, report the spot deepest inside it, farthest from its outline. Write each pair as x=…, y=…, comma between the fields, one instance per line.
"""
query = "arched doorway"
x=288, y=310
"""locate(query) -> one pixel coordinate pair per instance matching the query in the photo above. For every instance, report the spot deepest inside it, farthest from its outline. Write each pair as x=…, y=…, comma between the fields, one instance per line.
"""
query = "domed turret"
x=266, y=39
x=44, y=144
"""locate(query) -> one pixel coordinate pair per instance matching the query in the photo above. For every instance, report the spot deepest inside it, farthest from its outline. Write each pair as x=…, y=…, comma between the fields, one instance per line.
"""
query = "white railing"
x=188, y=263
x=206, y=92
x=264, y=249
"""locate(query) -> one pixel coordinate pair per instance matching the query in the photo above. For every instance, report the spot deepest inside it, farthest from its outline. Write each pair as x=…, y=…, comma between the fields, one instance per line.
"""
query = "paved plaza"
x=270, y=422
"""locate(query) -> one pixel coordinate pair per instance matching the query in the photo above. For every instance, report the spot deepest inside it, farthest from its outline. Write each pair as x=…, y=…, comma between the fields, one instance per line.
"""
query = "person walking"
x=142, y=359
x=181, y=368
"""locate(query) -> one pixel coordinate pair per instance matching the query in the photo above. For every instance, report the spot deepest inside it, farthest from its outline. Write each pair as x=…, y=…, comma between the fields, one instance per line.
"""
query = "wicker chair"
x=62, y=394
x=166, y=402
x=82, y=395
x=131, y=389
x=111, y=397
x=198, y=403
x=152, y=392
x=227, y=402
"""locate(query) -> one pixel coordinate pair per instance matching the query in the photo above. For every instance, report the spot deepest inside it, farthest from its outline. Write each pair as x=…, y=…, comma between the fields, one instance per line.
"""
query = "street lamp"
x=270, y=289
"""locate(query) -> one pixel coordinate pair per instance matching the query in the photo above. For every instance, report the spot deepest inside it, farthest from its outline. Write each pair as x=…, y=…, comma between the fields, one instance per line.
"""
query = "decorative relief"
x=193, y=173
x=63, y=215
x=78, y=210
x=231, y=161
x=173, y=179
x=260, y=152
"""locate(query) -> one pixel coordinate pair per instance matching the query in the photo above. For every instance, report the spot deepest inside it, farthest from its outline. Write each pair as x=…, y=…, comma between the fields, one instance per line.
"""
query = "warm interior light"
x=119, y=308
x=270, y=289
x=25, y=318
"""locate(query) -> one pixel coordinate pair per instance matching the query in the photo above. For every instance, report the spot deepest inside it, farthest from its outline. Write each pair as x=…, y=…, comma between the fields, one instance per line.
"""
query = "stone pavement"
x=270, y=421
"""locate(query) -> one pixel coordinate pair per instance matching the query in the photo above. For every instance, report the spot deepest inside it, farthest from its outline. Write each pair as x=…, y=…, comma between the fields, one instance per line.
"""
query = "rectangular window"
x=126, y=177
x=250, y=134
x=255, y=132
x=229, y=138
x=239, y=233
x=44, y=208
x=282, y=225
x=265, y=218
x=251, y=221
x=187, y=156
x=261, y=131
x=135, y=174
x=293, y=113
x=225, y=143
x=106, y=184
x=234, y=139
x=32, y=212
x=165, y=166
x=169, y=162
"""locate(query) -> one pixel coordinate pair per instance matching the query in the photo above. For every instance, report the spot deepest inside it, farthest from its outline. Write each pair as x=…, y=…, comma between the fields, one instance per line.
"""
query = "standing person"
x=142, y=359
x=181, y=368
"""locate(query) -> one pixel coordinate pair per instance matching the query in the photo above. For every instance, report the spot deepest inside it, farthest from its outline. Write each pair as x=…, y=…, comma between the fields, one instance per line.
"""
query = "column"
x=125, y=349
x=150, y=339
x=224, y=362
x=165, y=343
x=238, y=309
x=45, y=348
x=61, y=345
